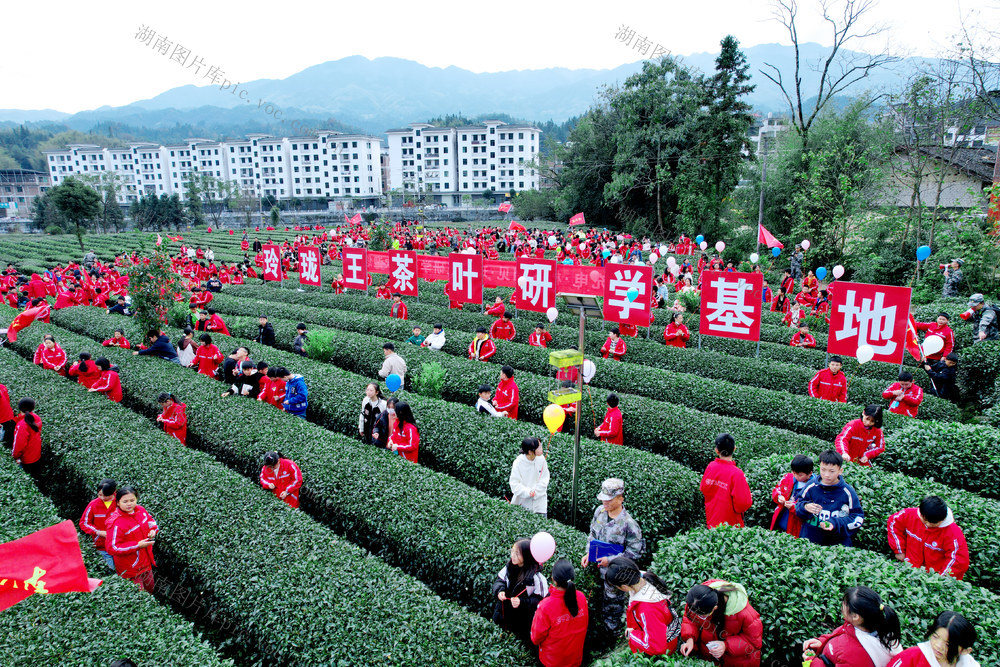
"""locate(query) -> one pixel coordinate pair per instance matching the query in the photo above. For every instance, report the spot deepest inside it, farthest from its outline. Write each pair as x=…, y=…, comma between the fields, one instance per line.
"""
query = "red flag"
x=159, y=240
x=346, y=219
x=23, y=321
x=355, y=219
x=577, y=219
x=913, y=340
x=504, y=207
x=47, y=561
x=516, y=227
x=766, y=237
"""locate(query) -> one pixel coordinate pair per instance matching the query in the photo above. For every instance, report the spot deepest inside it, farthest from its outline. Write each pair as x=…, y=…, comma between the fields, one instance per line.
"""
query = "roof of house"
x=973, y=161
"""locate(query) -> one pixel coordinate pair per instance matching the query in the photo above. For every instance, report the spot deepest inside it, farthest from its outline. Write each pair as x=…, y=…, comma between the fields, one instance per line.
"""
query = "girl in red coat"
x=560, y=623
x=869, y=636
x=208, y=357
x=93, y=521
x=404, y=437
x=861, y=439
x=85, y=371
x=7, y=423
x=676, y=334
x=949, y=644
x=27, y=435
x=49, y=355
x=130, y=533
x=108, y=383
x=282, y=476
x=653, y=627
x=174, y=416
x=118, y=340
x=721, y=626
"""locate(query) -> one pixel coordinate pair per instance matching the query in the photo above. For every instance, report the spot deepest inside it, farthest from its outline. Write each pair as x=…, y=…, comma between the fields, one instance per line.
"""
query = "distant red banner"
x=355, y=269
x=580, y=280
x=378, y=262
x=309, y=261
x=500, y=274
x=431, y=267
x=402, y=272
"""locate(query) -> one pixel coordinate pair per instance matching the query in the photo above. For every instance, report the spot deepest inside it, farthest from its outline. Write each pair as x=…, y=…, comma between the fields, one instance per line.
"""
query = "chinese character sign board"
x=465, y=282
x=627, y=294
x=355, y=268
x=309, y=262
x=403, y=272
x=536, y=284
x=874, y=315
x=730, y=305
x=272, y=262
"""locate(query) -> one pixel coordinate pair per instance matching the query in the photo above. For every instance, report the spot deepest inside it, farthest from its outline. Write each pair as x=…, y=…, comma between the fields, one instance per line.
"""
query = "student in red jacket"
x=939, y=328
x=507, y=397
x=611, y=428
x=130, y=533
x=84, y=370
x=720, y=625
x=283, y=477
x=118, y=340
x=727, y=494
x=861, y=439
x=540, y=337
x=869, y=636
x=789, y=491
x=215, y=323
x=108, y=383
x=481, y=348
x=398, y=308
x=27, y=435
x=49, y=355
x=383, y=292
x=208, y=357
x=404, y=437
x=905, y=396
x=559, y=626
x=7, y=423
x=173, y=417
x=614, y=346
x=802, y=337
x=503, y=328
x=95, y=516
x=781, y=303
x=676, y=334
x=497, y=309
x=949, y=642
x=653, y=626
x=927, y=536
x=830, y=384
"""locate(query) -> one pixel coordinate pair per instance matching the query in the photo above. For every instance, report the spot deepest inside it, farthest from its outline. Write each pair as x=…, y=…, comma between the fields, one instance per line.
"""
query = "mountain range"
x=356, y=93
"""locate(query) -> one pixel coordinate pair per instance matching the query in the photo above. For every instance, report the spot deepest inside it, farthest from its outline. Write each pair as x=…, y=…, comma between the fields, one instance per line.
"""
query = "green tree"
x=78, y=203
x=378, y=237
x=275, y=216
x=192, y=201
x=109, y=185
x=587, y=165
x=45, y=214
x=151, y=287
x=535, y=205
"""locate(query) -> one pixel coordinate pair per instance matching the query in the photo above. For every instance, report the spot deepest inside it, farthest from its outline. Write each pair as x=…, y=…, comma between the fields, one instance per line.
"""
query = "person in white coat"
x=529, y=478
x=372, y=406
x=435, y=340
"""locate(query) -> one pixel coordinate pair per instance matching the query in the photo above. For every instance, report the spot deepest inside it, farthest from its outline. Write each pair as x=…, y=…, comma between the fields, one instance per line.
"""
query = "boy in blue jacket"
x=829, y=508
x=296, y=395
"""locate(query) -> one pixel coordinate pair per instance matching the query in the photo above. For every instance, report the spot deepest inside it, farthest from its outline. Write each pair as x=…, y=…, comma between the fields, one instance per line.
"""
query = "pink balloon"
x=838, y=271
x=543, y=546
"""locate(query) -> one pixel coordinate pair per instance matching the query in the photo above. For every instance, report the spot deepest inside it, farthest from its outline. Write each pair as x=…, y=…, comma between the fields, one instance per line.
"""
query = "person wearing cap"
x=435, y=340
x=942, y=374
x=246, y=384
x=952, y=277
x=983, y=317
x=265, y=332
x=905, y=395
x=939, y=328
x=393, y=363
x=613, y=524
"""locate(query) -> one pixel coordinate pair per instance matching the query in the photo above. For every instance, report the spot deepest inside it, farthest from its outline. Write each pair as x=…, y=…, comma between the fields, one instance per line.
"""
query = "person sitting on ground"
x=927, y=536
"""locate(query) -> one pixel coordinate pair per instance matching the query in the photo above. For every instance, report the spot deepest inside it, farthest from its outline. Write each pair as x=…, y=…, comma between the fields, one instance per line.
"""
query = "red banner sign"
x=309, y=263
x=580, y=280
x=730, y=304
x=627, y=294
x=272, y=262
x=465, y=284
x=536, y=284
x=403, y=272
x=378, y=262
x=355, y=268
x=500, y=274
x=873, y=315
x=432, y=267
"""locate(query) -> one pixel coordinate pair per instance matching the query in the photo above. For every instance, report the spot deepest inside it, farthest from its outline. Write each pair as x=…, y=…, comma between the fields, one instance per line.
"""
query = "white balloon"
x=522, y=282
x=582, y=236
x=865, y=354
x=552, y=313
x=589, y=370
x=754, y=258
x=671, y=261
x=675, y=269
x=805, y=244
x=553, y=241
x=720, y=246
x=838, y=271
x=616, y=259
x=663, y=250
x=933, y=344
x=703, y=245
x=653, y=257
x=646, y=247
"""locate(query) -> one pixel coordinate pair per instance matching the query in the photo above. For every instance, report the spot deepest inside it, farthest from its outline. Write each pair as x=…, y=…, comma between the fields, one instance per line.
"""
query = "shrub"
x=978, y=370
x=319, y=345
x=797, y=587
x=429, y=380
x=54, y=230
x=885, y=493
x=625, y=658
x=46, y=629
x=219, y=547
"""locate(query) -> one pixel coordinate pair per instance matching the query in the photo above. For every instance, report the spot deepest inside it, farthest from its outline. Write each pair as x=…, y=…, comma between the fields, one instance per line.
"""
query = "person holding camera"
x=952, y=277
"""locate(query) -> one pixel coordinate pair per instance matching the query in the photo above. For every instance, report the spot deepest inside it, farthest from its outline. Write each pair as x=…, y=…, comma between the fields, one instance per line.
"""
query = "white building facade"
x=329, y=165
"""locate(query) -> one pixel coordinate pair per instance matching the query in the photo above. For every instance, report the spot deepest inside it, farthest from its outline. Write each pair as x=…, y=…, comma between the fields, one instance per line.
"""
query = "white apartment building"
x=446, y=163
x=331, y=165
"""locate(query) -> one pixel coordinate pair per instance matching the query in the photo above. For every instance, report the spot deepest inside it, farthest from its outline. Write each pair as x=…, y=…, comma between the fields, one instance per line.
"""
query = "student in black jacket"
x=265, y=332
x=159, y=346
x=247, y=384
x=943, y=374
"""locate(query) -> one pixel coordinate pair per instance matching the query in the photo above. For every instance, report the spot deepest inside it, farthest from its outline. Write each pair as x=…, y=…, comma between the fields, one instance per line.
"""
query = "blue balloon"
x=923, y=252
x=698, y=239
x=568, y=262
x=775, y=251
x=606, y=254
x=393, y=382
x=821, y=272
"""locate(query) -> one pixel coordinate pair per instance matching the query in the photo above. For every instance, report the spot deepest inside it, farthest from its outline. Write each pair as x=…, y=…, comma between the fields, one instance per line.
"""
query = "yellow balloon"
x=554, y=417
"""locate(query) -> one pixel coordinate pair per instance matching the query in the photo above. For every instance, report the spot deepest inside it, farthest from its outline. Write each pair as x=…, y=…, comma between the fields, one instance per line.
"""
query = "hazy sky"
x=74, y=55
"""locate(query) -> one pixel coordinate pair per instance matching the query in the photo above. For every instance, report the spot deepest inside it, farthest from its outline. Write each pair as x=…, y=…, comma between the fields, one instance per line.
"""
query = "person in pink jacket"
x=869, y=636
x=905, y=396
x=949, y=642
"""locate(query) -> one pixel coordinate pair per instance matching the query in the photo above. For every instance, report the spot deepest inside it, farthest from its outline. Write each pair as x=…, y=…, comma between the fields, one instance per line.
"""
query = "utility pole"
x=763, y=177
